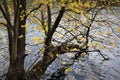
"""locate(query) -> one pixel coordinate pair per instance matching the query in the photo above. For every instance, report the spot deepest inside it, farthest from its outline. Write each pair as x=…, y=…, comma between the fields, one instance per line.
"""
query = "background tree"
x=58, y=38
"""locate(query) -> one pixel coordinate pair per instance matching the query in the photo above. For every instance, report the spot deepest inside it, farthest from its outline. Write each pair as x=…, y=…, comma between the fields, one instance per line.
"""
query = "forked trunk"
x=39, y=69
x=17, y=51
x=16, y=35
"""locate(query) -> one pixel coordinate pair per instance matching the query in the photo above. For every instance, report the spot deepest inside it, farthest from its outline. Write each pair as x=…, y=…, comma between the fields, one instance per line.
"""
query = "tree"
x=16, y=13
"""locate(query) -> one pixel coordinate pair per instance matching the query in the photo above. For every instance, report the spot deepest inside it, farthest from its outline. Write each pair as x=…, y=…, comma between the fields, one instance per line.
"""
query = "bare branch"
x=5, y=16
x=33, y=10
x=3, y=24
x=58, y=19
x=49, y=18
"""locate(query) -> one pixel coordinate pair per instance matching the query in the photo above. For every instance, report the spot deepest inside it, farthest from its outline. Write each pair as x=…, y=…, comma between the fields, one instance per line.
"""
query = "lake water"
x=92, y=67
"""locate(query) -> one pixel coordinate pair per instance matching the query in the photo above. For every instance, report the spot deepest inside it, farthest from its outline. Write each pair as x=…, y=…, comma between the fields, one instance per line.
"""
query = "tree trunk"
x=17, y=54
x=17, y=51
x=17, y=43
x=39, y=69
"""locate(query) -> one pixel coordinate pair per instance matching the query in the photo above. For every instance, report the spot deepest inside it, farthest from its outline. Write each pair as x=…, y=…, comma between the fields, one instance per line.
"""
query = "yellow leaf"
x=63, y=62
x=22, y=26
x=118, y=29
x=21, y=18
x=36, y=39
x=92, y=45
x=112, y=44
x=84, y=53
x=40, y=28
x=98, y=33
x=58, y=55
x=21, y=36
x=67, y=48
x=82, y=39
x=84, y=47
x=68, y=70
x=70, y=55
x=20, y=6
x=63, y=4
x=87, y=4
x=76, y=23
x=74, y=49
x=68, y=24
x=100, y=45
x=74, y=40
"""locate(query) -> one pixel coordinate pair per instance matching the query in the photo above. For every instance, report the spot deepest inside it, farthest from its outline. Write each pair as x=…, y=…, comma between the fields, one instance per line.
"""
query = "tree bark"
x=39, y=69
x=17, y=43
x=49, y=56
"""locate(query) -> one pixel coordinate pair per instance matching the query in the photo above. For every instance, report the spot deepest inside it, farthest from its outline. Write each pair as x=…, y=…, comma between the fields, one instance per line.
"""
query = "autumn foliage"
x=67, y=26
